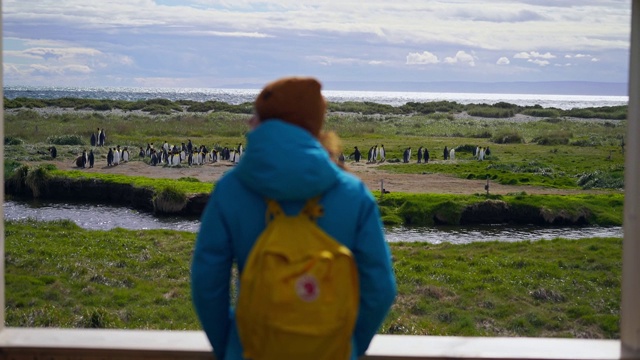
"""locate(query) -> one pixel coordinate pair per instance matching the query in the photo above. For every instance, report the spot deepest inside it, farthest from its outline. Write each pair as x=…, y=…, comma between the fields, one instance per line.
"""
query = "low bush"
x=508, y=137
x=490, y=112
x=65, y=140
x=551, y=113
x=601, y=180
x=553, y=138
x=12, y=140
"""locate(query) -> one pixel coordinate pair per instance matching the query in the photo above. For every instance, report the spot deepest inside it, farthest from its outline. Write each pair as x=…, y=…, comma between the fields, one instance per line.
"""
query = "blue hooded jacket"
x=286, y=163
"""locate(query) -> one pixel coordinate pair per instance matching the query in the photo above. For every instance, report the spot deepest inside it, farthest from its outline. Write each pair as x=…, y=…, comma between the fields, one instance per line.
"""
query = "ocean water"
x=238, y=96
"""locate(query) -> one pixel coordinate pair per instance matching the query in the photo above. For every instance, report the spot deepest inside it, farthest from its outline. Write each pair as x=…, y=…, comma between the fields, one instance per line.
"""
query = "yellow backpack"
x=299, y=291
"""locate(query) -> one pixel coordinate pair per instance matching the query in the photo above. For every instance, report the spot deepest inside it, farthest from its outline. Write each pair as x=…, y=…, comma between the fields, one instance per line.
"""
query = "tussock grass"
x=169, y=200
x=36, y=179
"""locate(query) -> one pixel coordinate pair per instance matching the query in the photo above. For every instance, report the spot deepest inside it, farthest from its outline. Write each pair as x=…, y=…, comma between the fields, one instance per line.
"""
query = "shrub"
x=592, y=141
x=466, y=148
x=482, y=135
x=553, y=138
x=157, y=109
x=65, y=140
x=12, y=140
x=508, y=137
x=490, y=112
x=551, y=113
x=600, y=180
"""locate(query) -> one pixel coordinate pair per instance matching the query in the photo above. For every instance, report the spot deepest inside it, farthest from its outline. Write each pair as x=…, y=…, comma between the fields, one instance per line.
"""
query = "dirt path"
x=369, y=173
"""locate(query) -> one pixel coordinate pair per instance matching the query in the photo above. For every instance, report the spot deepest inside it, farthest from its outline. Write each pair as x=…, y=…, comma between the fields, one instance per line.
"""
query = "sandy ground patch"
x=370, y=174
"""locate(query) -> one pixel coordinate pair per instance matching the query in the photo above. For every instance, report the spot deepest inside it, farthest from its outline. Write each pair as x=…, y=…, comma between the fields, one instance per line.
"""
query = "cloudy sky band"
x=204, y=43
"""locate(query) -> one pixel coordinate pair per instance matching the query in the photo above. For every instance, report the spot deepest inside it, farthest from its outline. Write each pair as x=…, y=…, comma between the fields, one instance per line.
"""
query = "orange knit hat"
x=296, y=100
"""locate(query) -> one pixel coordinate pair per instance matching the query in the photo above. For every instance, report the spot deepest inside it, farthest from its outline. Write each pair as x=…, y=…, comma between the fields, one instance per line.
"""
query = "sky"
x=244, y=43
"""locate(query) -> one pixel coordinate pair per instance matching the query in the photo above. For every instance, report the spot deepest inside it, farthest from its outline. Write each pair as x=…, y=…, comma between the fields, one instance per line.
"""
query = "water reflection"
x=456, y=235
x=105, y=217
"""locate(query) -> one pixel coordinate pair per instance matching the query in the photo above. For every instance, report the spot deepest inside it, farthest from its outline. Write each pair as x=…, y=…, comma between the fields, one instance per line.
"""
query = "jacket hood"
x=285, y=162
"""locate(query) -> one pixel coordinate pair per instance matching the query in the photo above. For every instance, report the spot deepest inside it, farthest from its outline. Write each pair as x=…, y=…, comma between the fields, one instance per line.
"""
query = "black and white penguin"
x=116, y=155
x=81, y=161
x=102, y=138
x=445, y=153
x=452, y=154
x=240, y=150
x=356, y=154
x=419, y=154
x=406, y=156
x=125, y=154
x=425, y=155
x=93, y=139
x=110, y=157
x=177, y=158
x=142, y=153
x=91, y=159
x=189, y=146
x=154, y=158
x=53, y=152
x=383, y=154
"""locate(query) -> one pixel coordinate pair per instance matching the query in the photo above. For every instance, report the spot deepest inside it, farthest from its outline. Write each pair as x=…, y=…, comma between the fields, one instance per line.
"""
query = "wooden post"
x=630, y=303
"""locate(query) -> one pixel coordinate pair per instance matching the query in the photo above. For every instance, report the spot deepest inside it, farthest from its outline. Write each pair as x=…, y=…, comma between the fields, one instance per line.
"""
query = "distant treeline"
x=166, y=107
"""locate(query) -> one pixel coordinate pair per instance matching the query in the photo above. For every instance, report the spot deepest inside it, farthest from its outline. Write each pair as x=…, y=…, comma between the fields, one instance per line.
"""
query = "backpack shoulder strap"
x=273, y=210
x=312, y=209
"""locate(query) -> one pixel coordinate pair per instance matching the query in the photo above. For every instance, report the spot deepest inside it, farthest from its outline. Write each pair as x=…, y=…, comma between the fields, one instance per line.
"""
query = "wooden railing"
x=50, y=344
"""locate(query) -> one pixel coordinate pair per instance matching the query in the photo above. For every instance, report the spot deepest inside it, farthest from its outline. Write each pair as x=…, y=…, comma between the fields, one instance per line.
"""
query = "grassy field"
x=59, y=275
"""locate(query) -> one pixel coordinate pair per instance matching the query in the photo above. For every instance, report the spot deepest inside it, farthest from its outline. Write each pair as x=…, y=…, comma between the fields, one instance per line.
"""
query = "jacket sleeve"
x=210, y=277
x=377, y=279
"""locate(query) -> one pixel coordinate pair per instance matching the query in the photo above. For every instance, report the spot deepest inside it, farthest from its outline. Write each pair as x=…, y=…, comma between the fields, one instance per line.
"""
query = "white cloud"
x=60, y=53
x=233, y=34
x=539, y=62
x=503, y=61
x=567, y=56
x=461, y=57
x=533, y=55
x=60, y=70
x=422, y=58
x=332, y=60
x=595, y=60
x=582, y=55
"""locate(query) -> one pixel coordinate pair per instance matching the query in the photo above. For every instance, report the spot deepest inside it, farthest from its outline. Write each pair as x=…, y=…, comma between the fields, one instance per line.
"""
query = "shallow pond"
x=104, y=217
